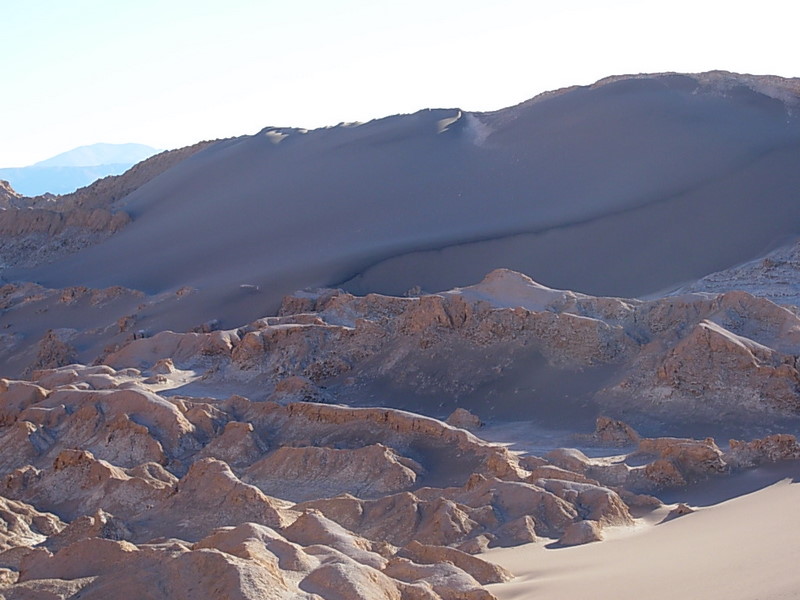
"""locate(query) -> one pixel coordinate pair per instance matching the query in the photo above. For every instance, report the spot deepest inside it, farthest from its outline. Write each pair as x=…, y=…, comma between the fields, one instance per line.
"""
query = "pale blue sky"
x=169, y=73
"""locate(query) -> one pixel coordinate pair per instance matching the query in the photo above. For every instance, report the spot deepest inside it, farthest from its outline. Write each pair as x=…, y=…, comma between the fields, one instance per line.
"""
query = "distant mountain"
x=100, y=154
x=68, y=171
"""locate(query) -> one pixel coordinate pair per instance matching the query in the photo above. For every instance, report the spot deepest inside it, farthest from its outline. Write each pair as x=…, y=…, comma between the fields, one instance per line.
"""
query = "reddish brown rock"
x=99, y=525
x=211, y=496
x=769, y=449
x=23, y=443
x=16, y=396
x=679, y=511
x=694, y=458
x=23, y=525
x=352, y=581
x=521, y=530
x=296, y=389
x=174, y=571
x=594, y=503
x=570, y=459
x=78, y=484
x=313, y=529
x=483, y=572
x=445, y=579
x=581, y=532
x=660, y=473
x=303, y=473
x=615, y=433
x=242, y=539
x=464, y=419
x=238, y=445
x=54, y=350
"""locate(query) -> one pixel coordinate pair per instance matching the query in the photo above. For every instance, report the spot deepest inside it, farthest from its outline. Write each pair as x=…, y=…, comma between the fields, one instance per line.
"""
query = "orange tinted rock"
x=581, y=532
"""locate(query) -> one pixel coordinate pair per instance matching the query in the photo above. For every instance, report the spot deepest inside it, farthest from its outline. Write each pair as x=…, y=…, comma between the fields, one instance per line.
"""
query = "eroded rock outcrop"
x=582, y=532
x=483, y=571
x=8, y=195
x=211, y=496
x=671, y=356
x=464, y=419
x=78, y=484
x=55, y=350
x=21, y=525
x=308, y=497
x=311, y=472
x=769, y=449
x=44, y=228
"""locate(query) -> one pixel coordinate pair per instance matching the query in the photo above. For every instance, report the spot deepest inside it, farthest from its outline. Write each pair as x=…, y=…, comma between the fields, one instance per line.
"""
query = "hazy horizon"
x=169, y=76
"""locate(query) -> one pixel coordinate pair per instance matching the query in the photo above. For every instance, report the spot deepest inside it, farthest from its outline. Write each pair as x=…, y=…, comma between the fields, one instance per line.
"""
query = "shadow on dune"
x=719, y=489
x=624, y=189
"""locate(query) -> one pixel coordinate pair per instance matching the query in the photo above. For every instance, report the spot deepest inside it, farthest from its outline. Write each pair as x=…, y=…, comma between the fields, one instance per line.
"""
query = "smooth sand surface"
x=622, y=189
x=745, y=548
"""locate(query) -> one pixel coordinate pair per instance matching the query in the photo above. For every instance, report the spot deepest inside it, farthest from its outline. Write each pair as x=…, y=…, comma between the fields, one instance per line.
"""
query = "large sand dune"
x=625, y=188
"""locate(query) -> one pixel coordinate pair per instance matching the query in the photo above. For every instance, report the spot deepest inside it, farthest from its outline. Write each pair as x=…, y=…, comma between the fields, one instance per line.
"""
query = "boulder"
x=464, y=419
x=581, y=532
x=484, y=572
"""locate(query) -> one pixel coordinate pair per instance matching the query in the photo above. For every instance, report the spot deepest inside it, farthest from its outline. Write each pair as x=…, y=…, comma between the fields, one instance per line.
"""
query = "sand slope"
x=740, y=549
x=624, y=188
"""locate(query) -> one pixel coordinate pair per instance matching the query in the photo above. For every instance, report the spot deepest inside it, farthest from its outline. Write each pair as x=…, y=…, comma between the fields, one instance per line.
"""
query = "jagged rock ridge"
x=106, y=485
x=728, y=358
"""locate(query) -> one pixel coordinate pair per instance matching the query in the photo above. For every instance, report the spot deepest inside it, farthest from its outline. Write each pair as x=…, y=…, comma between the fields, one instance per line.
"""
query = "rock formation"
x=99, y=471
x=769, y=449
x=650, y=357
x=42, y=229
x=582, y=532
x=7, y=195
x=101, y=466
x=720, y=358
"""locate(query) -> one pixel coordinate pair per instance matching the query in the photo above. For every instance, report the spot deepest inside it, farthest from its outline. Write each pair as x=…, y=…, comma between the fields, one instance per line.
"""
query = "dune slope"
x=739, y=549
x=623, y=188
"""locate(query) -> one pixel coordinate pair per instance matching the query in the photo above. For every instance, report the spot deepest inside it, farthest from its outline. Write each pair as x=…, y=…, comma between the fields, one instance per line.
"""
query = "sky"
x=169, y=73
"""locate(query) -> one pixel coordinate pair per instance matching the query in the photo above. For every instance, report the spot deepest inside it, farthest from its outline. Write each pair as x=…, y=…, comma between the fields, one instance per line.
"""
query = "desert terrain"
x=551, y=351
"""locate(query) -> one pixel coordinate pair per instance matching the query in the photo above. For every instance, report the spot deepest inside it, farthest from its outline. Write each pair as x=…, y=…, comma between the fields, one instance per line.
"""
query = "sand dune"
x=625, y=188
x=740, y=549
